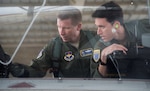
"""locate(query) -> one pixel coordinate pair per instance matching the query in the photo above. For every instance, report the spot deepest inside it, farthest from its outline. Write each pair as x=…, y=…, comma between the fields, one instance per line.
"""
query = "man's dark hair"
x=111, y=11
x=70, y=13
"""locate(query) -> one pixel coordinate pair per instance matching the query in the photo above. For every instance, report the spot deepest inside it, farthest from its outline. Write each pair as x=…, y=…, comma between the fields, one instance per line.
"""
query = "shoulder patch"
x=96, y=55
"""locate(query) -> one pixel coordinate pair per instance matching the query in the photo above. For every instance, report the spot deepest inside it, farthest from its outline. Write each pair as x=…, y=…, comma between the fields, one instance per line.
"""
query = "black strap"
x=56, y=56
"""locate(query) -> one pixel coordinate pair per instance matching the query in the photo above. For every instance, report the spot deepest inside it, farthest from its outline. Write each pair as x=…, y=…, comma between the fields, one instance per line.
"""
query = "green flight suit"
x=69, y=61
x=129, y=68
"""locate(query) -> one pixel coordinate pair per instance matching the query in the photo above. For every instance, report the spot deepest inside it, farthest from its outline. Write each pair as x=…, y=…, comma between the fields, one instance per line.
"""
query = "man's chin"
x=65, y=40
x=105, y=40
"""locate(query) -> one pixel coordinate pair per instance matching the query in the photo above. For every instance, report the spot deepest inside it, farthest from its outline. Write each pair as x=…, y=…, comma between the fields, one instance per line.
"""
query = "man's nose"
x=61, y=31
x=99, y=31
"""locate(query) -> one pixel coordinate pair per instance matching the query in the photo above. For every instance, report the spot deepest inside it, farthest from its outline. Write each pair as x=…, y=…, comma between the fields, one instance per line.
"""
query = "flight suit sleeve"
x=95, y=60
x=38, y=67
x=94, y=70
x=43, y=62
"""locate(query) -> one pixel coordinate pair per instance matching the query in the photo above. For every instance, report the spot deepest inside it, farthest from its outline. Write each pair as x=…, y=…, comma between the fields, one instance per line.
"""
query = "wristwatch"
x=102, y=63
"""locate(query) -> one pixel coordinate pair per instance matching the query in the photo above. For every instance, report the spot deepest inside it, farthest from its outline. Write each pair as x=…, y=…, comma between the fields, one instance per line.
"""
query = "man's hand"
x=18, y=70
x=110, y=49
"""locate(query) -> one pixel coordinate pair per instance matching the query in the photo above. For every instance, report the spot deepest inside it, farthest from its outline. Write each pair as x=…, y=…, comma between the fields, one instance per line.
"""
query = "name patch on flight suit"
x=86, y=52
x=96, y=55
x=68, y=56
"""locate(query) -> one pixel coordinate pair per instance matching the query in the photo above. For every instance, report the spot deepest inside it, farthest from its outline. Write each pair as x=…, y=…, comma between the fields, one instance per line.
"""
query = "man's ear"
x=116, y=24
x=79, y=26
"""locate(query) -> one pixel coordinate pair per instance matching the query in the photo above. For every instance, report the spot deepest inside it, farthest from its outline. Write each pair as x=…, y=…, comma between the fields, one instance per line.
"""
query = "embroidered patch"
x=86, y=52
x=96, y=55
x=68, y=56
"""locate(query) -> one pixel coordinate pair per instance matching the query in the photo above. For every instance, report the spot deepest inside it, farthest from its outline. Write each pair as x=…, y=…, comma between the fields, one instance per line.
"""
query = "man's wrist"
x=102, y=63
